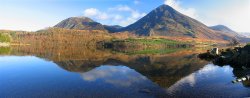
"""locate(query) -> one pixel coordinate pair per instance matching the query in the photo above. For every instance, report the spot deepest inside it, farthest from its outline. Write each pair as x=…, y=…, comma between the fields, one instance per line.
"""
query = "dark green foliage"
x=191, y=33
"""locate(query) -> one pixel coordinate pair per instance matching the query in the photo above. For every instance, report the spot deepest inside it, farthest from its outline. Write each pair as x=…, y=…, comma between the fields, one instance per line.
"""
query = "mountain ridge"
x=113, y=28
x=80, y=23
x=223, y=28
x=166, y=21
x=162, y=21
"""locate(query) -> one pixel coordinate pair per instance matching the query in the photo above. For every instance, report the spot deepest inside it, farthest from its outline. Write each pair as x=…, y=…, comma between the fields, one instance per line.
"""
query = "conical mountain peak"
x=166, y=21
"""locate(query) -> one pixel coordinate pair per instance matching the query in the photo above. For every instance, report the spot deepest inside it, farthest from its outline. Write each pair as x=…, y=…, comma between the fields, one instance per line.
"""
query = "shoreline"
x=4, y=44
x=12, y=44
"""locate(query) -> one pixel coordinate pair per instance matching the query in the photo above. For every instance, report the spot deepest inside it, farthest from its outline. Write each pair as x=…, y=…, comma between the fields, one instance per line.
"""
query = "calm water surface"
x=86, y=73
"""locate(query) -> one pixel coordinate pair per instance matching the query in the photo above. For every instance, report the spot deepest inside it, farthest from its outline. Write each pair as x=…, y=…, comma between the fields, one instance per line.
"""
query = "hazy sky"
x=31, y=15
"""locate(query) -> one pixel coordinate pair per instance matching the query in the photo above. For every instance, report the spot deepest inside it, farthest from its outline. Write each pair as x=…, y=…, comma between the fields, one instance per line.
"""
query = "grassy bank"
x=143, y=44
x=146, y=41
x=153, y=51
x=133, y=46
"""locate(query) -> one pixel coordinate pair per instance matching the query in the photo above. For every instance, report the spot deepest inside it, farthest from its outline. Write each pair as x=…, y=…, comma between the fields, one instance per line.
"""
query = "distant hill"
x=242, y=37
x=245, y=37
x=246, y=34
x=113, y=29
x=80, y=23
x=223, y=28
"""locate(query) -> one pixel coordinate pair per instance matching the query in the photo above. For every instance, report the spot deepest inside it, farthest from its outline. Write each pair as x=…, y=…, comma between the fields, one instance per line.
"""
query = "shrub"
x=4, y=37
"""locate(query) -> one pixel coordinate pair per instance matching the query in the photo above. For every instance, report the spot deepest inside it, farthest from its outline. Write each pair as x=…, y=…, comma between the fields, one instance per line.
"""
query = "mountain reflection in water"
x=104, y=73
x=121, y=81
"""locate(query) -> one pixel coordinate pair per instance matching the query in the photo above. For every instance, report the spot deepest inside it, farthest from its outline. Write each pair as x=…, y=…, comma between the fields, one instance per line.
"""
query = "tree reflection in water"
x=178, y=73
x=164, y=69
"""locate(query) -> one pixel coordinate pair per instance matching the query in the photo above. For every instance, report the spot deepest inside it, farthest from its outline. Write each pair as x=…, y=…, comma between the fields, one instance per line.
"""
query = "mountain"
x=85, y=23
x=242, y=37
x=163, y=21
x=223, y=28
x=166, y=21
x=245, y=37
x=246, y=34
x=80, y=23
x=113, y=29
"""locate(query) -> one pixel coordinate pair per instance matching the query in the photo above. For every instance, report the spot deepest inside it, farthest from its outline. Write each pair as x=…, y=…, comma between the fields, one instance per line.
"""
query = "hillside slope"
x=240, y=37
x=80, y=23
x=166, y=21
x=223, y=29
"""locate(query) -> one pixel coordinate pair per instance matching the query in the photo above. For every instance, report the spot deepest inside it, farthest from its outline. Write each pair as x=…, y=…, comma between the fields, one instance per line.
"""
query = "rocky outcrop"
x=239, y=57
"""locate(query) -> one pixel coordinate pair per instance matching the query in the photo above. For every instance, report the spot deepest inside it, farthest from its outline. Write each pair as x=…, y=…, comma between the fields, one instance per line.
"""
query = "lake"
x=80, y=72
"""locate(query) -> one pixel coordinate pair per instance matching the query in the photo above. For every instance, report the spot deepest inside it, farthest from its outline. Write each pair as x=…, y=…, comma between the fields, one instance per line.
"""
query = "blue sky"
x=31, y=15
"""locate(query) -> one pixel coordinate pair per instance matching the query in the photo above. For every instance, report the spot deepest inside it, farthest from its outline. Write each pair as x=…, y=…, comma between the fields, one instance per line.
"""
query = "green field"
x=154, y=51
x=148, y=42
x=153, y=41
